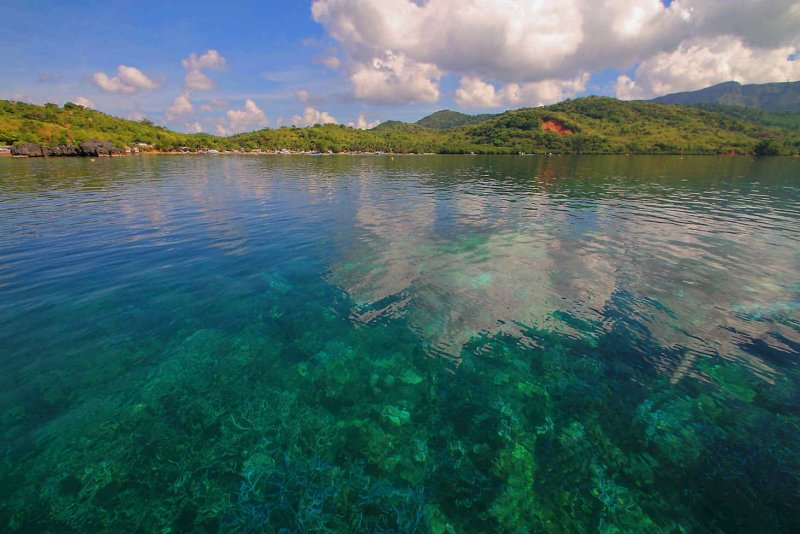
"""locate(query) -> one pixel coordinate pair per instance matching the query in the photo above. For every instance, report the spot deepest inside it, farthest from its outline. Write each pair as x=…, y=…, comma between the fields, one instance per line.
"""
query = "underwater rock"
x=735, y=381
x=397, y=416
x=672, y=429
x=410, y=377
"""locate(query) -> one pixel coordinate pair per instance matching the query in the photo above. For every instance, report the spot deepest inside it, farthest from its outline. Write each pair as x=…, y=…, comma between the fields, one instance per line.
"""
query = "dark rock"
x=63, y=151
x=92, y=148
x=98, y=148
x=27, y=149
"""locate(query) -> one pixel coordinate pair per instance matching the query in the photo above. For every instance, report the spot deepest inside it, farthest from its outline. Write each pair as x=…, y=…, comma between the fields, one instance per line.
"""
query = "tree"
x=767, y=147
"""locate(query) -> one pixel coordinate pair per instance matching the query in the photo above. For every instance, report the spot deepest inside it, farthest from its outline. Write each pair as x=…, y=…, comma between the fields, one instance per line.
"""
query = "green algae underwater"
x=410, y=344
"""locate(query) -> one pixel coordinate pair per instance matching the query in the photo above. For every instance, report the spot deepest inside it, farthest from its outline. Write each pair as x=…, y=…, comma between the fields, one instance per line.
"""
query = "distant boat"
x=213, y=152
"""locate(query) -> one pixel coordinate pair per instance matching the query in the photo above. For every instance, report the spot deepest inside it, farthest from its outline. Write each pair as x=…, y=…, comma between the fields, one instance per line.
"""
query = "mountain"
x=446, y=119
x=768, y=96
x=597, y=125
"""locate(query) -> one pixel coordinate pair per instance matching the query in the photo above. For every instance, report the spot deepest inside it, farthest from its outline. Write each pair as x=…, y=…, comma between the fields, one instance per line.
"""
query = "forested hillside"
x=584, y=125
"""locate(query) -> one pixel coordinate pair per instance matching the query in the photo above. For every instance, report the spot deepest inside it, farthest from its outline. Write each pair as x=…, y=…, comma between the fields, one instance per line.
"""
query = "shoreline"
x=391, y=154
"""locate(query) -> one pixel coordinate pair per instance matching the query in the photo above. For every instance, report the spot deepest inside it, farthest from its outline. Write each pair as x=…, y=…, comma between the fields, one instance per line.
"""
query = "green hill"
x=446, y=119
x=585, y=125
x=52, y=125
x=768, y=96
x=607, y=125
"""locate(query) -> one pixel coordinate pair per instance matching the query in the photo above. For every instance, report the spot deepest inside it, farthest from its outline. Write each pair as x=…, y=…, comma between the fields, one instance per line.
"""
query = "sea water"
x=400, y=344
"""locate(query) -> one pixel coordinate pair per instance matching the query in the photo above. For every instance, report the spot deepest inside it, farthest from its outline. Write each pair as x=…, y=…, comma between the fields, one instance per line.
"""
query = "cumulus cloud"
x=196, y=79
x=475, y=93
x=544, y=92
x=211, y=59
x=396, y=51
x=128, y=80
x=311, y=116
x=180, y=106
x=363, y=124
x=85, y=102
x=702, y=62
x=194, y=127
x=240, y=120
x=395, y=79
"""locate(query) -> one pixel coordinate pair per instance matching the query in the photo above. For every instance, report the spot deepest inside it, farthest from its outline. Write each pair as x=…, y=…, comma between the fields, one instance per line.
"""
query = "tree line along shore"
x=591, y=125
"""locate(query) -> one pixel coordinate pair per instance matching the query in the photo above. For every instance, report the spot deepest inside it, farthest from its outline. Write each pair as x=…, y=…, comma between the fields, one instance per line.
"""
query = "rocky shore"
x=90, y=148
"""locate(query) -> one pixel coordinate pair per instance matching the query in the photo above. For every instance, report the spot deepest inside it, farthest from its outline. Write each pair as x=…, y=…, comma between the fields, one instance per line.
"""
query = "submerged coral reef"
x=269, y=426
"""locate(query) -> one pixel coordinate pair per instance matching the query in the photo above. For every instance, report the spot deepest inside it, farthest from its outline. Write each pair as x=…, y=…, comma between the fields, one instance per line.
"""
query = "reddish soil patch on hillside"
x=555, y=126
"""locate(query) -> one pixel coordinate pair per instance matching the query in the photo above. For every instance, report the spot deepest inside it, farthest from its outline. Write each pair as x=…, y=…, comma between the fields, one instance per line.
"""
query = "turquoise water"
x=409, y=344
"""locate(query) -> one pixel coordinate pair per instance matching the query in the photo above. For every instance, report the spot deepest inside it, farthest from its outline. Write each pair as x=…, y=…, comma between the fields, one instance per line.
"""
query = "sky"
x=227, y=67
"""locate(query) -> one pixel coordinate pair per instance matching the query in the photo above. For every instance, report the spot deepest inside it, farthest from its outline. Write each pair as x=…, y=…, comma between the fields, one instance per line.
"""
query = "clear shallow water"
x=443, y=344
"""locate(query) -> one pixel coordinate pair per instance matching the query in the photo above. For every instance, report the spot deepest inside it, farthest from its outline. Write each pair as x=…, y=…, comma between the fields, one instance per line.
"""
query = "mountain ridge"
x=446, y=119
x=775, y=96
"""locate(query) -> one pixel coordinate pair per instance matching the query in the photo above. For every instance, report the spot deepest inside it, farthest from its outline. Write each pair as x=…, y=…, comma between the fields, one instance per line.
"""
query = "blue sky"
x=360, y=61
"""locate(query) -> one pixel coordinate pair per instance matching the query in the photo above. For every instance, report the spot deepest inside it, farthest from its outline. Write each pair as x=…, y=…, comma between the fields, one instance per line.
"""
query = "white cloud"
x=180, y=106
x=195, y=79
x=312, y=116
x=700, y=63
x=111, y=85
x=544, y=92
x=85, y=102
x=134, y=77
x=210, y=60
x=475, y=93
x=240, y=120
x=396, y=51
x=395, y=79
x=363, y=124
x=128, y=80
x=194, y=127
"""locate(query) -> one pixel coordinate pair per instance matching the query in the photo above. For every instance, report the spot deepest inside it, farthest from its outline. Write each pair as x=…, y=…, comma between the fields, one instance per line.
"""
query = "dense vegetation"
x=446, y=119
x=585, y=125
